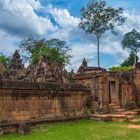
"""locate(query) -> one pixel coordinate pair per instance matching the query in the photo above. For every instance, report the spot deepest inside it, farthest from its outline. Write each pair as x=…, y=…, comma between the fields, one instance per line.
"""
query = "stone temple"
x=44, y=92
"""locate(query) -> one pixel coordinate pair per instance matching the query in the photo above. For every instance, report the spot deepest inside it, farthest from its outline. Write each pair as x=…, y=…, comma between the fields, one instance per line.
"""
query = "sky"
x=60, y=19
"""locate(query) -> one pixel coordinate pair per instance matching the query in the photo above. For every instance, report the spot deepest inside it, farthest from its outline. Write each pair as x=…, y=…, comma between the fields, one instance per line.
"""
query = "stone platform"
x=124, y=116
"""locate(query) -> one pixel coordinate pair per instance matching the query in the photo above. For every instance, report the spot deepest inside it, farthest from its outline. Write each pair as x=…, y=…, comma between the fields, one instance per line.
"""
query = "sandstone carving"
x=15, y=67
x=46, y=92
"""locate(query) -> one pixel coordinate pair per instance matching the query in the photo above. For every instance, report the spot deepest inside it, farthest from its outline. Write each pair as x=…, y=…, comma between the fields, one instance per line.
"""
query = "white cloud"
x=132, y=21
x=67, y=26
x=19, y=17
x=109, y=44
x=79, y=52
x=8, y=43
x=63, y=17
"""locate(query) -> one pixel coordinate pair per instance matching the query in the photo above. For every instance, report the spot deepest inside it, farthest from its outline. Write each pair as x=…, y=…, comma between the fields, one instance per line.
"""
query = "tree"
x=97, y=18
x=53, y=50
x=130, y=60
x=5, y=62
x=131, y=42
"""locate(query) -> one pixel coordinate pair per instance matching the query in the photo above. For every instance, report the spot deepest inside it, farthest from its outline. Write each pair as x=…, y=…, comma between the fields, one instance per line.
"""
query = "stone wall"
x=111, y=88
x=126, y=93
x=137, y=85
x=96, y=82
x=32, y=101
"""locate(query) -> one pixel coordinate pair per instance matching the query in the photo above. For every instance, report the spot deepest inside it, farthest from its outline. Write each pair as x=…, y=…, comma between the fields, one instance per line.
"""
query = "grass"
x=80, y=130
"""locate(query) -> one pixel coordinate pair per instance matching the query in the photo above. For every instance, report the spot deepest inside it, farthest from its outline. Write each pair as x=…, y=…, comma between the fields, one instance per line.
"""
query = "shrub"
x=120, y=69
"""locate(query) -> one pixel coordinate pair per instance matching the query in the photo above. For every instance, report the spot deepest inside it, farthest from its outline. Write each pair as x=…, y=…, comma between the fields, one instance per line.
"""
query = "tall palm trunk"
x=98, y=51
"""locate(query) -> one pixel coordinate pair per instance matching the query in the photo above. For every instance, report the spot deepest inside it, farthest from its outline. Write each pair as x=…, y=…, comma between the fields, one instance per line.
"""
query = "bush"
x=120, y=69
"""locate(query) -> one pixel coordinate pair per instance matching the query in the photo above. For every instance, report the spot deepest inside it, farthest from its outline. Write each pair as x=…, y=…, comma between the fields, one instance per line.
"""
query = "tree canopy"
x=5, y=61
x=131, y=42
x=97, y=18
x=130, y=60
x=53, y=50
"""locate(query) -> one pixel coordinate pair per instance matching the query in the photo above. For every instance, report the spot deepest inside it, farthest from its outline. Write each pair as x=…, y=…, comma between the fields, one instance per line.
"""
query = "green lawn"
x=80, y=130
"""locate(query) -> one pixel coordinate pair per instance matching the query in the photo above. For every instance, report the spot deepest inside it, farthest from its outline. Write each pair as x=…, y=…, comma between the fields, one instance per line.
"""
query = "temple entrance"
x=112, y=92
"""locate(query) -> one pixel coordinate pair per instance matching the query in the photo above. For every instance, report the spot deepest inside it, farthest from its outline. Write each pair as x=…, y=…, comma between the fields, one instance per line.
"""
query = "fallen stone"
x=24, y=129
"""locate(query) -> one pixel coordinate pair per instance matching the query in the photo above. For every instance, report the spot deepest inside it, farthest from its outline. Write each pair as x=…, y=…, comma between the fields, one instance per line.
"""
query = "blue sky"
x=60, y=19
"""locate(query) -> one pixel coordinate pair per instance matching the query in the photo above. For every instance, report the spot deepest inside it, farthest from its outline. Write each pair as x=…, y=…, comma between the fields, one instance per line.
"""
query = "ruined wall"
x=137, y=85
x=32, y=101
x=97, y=84
x=126, y=93
x=110, y=88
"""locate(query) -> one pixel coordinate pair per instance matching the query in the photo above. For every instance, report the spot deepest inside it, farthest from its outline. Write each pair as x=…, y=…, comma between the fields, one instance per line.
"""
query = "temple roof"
x=85, y=68
x=88, y=68
x=89, y=72
x=85, y=71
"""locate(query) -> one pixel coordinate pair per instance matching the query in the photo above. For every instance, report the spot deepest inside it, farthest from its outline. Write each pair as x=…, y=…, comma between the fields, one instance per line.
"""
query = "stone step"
x=121, y=110
x=130, y=113
x=114, y=104
x=114, y=107
x=109, y=117
x=118, y=115
x=134, y=120
x=117, y=111
x=131, y=117
x=100, y=117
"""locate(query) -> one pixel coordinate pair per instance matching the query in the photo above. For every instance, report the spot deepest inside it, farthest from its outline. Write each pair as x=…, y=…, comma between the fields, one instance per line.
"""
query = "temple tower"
x=15, y=66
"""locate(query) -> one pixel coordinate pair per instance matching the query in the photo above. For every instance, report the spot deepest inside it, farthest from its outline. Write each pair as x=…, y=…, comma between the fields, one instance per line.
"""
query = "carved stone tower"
x=83, y=65
x=15, y=66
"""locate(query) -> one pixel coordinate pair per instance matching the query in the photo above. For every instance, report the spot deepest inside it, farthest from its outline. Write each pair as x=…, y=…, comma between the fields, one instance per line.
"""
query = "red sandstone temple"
x=45, y=92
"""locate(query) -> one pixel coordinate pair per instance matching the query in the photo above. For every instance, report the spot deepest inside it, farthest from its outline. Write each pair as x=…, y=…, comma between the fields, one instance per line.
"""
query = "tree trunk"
x=98, y=51
x=135, y=61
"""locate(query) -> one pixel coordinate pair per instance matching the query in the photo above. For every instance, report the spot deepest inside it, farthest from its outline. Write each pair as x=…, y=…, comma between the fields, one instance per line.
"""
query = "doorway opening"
x=111, y=91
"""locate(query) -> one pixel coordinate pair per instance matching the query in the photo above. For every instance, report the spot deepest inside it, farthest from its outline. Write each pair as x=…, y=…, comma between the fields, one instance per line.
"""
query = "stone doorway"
x=113, y=92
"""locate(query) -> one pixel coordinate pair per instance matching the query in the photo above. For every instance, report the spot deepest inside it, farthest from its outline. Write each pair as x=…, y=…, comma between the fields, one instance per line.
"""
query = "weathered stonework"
x=16, y=67
x=36, y=102
x=68, y=77
x=109, y=88
x=44, y=92
x=48, y=71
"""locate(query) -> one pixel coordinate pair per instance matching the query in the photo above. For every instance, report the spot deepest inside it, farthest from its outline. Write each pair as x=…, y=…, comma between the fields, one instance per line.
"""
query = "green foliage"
x=5, y=61
x=97, y=18
x=120, y=69
x=131, y=41
x=53, y=50
x=130, y=60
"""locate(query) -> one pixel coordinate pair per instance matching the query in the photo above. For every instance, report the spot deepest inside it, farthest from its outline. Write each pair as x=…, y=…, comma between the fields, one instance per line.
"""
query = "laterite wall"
x=32, y=101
